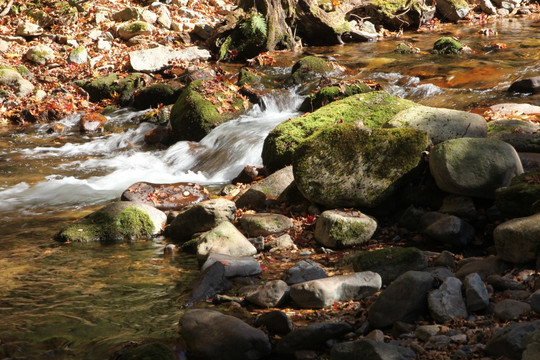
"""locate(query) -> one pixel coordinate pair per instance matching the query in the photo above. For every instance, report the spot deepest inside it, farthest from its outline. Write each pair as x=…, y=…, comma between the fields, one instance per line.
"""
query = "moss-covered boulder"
x=373, y=109
x=203, y=105
x=390, y=263
x=340, y=228
x=115, y=222
x=473, y=167
x=309, y=68
x=441, y=124
x=135, y=28
x=156, y=94
x=522, y=135
x=452, y=10
x=248, y=76
x=347, y=165
x=337, y=91
x=406, y=48
x=112, y=85
x=150, y=351
x=521, y=197
x=447, y=45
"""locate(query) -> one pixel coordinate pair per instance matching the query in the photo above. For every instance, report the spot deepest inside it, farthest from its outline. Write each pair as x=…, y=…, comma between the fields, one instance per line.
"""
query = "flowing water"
x=83, y=301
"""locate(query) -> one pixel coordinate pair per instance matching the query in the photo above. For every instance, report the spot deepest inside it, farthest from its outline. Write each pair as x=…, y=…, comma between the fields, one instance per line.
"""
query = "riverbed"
x=85, y=301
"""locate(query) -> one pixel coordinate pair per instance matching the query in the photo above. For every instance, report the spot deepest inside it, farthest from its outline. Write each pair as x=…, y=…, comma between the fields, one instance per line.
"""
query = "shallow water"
x=74, y=301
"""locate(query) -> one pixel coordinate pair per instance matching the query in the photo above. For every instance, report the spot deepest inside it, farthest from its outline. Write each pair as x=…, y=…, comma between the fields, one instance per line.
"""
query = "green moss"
x=521, y=197
x=108, y=86
x=332, y=93
x=373, y=109
x=137, y=26
x=4, y=93
x=248, y=76
x=342, y=232
x=5, y=67
x=308, y=68
x=78, y=50
x=447, y=45
x=102, y=226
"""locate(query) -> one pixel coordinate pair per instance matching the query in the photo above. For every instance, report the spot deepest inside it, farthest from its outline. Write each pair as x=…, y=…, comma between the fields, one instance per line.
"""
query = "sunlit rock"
x=40, y=54
x=340, y=228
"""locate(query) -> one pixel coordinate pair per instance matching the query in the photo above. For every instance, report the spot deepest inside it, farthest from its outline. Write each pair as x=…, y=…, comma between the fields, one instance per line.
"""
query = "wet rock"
x=131, y=29
x=411, y=288
x=263, y=224
x=509, y=309
x=370, y=350
x=174, y=196
x=28, y=29
x=12, y=79
x=224, y=239
x=91, y=123
x=324, y=292
x=447, y=303
x=211, y=335
x=159, y=136
x=390, y=262
x=155, y=350
x=447, y=229
x=473, y=167
x=234, y=265
x=40, y=54
x=160, y=58
x=276, y=322
x=527, y=86
x=79, y=55
x=309, y=68
x=483, y=266
x=501, y=283
x=347, y=165
x=476, y=293
x=340, y=228
x=522, y=197
x=377, y=108
x=115, y=222
x=304, y=270
x=517, y=240
x=453, y=10
x=447, y=45
x=511, y=340
x=201, y=217
x=272, y=294
x=406, y=48
x=441, y=124
x=269, y=188
x=311, y=337
x=522, y=135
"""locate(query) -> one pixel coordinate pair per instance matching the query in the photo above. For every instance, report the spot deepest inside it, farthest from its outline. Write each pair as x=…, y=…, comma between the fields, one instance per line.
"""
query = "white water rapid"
x=107, y=165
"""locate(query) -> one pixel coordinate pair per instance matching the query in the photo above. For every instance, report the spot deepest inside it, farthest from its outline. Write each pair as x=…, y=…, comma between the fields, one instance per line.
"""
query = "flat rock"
x=175, y=196
x=441, y=124
x=224, y=239
x=518, y=240
x=234, y=265
x=312, y=337
x=211, y=335
x=304, y=270
x=367, y=349
x=160, y=58
x=271, y=294
x=324, y=292
x=201, y=217
x=410, y=290
x=389, y=262
x=446, y=303
x=263, y=224
x=475, y=292
x=339, y=228
x=473, y=167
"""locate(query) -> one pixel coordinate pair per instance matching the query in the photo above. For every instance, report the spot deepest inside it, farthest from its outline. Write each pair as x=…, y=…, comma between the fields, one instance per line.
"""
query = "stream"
x=85, y=301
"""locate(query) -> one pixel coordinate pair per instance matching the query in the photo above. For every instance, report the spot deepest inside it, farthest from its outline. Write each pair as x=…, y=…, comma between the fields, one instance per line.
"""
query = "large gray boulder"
x=446, y=303
x=441, y=124
x=410, y=291
x=201, y=217
x=324, y=292
x=390, y=262
x=340, y=228
x=347, y=165
x=473, y=167
x=224, y=239
x=118, y=221
x=211, y=335
x=518, y=240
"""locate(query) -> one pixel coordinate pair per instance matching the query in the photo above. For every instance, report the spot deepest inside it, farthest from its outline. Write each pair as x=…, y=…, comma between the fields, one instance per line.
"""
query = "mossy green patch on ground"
x=372, y=109
x=131, y=223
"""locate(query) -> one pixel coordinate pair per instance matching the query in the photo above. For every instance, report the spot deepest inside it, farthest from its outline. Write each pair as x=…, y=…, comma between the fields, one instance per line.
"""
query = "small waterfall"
x=109, y=164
